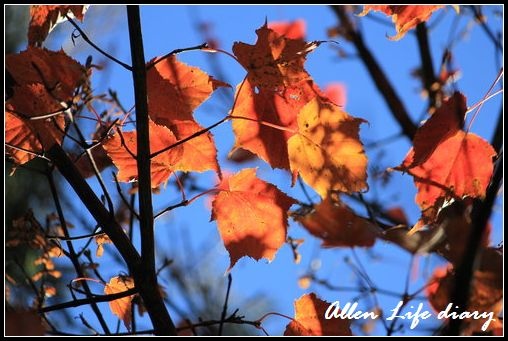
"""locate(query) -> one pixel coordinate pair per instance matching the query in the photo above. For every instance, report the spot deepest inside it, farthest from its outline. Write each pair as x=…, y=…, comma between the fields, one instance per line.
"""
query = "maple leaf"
x=310, y=319
x=44, y=18
x=176, y=89
x=121, y=307
x=486, y=289
x=199, y=153
x=291, y=30
x=58, y=72
x=405, y=17
x=19, y=135
x=445, y=122
x=460, y=166
x=327, y=151
x=337, y=225
x=277, y=108
x=251, y=215
x=162, y=166
x=274, y=61
x=22, y=143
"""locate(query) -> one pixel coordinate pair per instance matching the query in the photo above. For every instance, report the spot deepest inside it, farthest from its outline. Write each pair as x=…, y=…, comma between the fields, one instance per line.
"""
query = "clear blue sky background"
x=169, y=27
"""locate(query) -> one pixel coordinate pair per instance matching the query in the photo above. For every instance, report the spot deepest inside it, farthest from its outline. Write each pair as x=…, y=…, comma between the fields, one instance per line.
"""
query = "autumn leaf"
x=251, y=215
x=275, y=61
x=255, y=112
x=310, y=319
x=289, y=29
x=199, y=153
x=486, y=289
x=327, y=151
x=100, y=240
x=176, y=89
x=120, y=146
x=404, y=17
x=44, y=18
x=20, y=137
x=121, y=307
x=460, y=166
x=445, y=122
x=337, y=225
x=55, y=70
x=22, y=143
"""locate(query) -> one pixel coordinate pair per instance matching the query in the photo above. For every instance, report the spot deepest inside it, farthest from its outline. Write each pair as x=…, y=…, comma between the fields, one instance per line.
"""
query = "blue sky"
x=169, y=27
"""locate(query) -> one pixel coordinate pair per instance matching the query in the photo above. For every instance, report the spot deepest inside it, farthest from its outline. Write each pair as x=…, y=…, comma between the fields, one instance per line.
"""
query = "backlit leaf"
x=277, y=108
x=121, y=307
x=251, y=215
x=327, y=151
x=291, y=30
x=44, y=18
x=176, y=89
x=405, y=17
x=310, y=319
x=162, y=165
x=337, y=225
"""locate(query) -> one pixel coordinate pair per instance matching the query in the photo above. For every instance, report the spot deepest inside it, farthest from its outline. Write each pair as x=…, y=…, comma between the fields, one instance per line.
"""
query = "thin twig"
x=85, y=38
x=225, y=306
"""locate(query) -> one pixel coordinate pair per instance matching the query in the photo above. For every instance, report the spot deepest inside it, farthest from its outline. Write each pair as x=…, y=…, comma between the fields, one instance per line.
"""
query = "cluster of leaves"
x=280, y=115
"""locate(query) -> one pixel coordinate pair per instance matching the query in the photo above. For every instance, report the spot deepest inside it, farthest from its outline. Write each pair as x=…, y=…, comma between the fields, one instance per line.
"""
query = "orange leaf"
x=274, y=61
x=291, y=30
x=251, y=215
x=44, y=18
x=199, y=153
x=486, y=291
x=446, y=121
x=337, y=225
x=277, y=108
x=176, y=89
x=310, y=319
x=162, y=166
x=404, y=17
x=327, y=151
x=55, y=70
x=460, y=166
x=121, y=307
x=19, y=135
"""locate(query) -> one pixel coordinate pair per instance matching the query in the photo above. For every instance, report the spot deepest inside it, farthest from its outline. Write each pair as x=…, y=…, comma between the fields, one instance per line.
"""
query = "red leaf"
x=55, y=70
x=337, y=225
x=291, y=30
x=199, y=153
x=162, y=166
x=310, y=319
x=251, y=215
x=460, y=166
x=404, y=17
x=44, y=18
x=274, y=61
x=176, y=89
x=280, y=109
x=446, y=121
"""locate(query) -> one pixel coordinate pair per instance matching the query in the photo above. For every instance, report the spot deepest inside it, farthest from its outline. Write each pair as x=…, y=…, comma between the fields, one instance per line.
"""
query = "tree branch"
x=145, y=276
x=428, y=75
x=91, y=300
x=378, y=76
x=465, y=271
